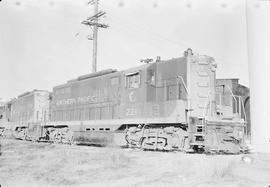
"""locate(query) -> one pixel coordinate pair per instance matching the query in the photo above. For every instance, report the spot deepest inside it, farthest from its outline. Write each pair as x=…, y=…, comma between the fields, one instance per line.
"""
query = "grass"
x=46, y=164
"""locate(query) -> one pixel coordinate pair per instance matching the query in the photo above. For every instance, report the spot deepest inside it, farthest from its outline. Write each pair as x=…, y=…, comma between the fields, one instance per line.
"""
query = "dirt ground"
x=41, y=164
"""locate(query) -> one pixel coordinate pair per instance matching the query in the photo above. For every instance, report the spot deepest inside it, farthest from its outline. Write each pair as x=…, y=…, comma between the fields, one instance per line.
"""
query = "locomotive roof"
x=33, y=91
x=102, y=73
x=130, y=70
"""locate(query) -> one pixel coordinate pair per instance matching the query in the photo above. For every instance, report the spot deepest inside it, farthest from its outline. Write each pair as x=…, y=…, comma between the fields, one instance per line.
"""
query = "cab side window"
x=115, y=81
x=133, y=80
x=151, y=77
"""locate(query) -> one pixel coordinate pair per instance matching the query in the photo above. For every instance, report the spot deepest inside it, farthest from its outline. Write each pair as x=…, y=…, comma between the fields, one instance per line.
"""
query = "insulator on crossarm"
x=158, y=59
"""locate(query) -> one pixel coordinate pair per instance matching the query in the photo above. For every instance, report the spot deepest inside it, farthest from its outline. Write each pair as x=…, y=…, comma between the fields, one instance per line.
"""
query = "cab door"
x=132, y=98
x=115, y=95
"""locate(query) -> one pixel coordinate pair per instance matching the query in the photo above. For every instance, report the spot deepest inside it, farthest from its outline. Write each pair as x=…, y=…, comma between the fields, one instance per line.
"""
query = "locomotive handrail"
x=231, y=92
x=242, y=104
x=238, y=105
x=206, y=107
x=244, y=109
x=241, y=101
x=185, y=86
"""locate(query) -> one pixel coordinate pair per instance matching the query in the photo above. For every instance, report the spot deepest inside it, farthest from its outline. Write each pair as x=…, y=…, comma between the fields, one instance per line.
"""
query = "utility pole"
x=258, y=58
x=93, y=23
x=95, y=35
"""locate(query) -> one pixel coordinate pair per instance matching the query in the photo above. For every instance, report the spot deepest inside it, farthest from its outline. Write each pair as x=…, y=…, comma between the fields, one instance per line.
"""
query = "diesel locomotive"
x=163, y=105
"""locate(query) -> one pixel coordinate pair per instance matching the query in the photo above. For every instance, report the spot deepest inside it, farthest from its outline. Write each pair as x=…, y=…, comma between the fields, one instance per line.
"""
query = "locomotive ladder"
x=198, y=132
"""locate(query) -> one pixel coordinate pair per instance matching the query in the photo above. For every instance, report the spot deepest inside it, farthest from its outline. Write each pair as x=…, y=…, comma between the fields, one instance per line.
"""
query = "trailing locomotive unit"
x=3, y=118
x=27, y=114
x=166, y=105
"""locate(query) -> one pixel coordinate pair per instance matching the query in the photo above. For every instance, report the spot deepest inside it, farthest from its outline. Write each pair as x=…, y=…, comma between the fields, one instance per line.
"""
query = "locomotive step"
x=198, y=134
x=200, y=125
x=197, y=143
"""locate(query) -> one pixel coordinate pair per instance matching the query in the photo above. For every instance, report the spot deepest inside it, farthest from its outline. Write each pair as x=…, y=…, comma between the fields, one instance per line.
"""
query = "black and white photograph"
x=131, y=93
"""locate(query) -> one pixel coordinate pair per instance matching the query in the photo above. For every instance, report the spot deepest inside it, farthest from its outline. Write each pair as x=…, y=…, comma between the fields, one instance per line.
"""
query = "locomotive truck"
x=164, y=105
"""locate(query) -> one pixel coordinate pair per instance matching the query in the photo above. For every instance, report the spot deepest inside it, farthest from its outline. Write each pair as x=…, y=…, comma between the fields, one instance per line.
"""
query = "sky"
x=44, y=44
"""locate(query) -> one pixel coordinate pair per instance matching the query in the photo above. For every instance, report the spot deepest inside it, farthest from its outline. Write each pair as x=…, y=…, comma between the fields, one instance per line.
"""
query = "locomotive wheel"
x=149, y=143
x=131, y=143
x=127, y=139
